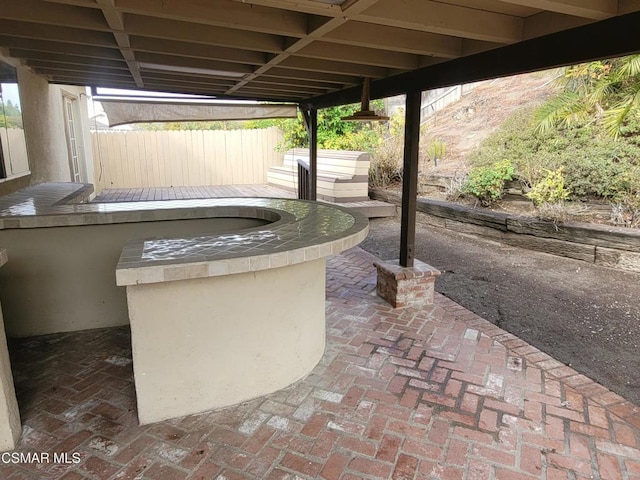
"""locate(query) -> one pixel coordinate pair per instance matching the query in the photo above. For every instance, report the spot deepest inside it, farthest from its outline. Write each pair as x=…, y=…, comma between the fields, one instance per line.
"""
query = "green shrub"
x=597, y=176
x=436, y=150
x=487, y=183
x=550, y=189
x=594, y=164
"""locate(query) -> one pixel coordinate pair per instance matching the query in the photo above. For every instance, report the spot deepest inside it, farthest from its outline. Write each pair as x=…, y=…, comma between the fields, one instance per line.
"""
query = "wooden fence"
x=14, y=148
x=127, y=159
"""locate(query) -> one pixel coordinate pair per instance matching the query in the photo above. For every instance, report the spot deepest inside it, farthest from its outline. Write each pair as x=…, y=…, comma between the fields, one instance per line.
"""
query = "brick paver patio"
x=437, y=393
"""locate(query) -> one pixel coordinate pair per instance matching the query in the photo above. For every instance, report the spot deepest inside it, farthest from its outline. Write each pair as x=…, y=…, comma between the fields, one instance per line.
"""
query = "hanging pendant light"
x=365, y=115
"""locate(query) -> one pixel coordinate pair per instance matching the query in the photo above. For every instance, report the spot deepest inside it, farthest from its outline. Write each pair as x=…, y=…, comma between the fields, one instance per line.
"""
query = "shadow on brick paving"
x=583, y=315
x=427, y=393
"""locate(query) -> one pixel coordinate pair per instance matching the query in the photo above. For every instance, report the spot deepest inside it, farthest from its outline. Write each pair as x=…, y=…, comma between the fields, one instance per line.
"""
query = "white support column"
x=10, y=428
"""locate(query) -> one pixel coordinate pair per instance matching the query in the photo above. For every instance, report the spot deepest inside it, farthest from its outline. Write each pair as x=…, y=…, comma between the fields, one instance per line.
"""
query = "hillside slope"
x=464, y=124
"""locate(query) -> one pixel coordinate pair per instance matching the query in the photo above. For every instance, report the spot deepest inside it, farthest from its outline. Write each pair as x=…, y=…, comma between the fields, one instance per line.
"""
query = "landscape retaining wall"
x=614, y=247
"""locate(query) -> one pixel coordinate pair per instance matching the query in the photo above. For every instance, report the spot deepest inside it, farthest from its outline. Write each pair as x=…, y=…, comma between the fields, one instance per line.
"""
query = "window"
x=70, y=107
x=13, y=151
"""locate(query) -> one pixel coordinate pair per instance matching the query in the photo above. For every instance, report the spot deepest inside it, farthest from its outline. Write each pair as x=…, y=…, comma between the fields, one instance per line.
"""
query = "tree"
x=604, y=92
x=333, y=132
x=12, y=117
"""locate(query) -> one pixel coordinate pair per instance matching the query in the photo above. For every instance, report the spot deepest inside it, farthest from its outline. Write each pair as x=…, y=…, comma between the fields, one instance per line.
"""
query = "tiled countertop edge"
x=242, y=264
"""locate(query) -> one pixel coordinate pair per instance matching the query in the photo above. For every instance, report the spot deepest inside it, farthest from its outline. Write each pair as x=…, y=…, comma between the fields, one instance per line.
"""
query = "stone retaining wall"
x=613, y=247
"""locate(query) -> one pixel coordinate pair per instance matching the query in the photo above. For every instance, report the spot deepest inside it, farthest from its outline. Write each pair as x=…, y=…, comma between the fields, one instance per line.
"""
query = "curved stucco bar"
x=220, y=319
x=225, y=297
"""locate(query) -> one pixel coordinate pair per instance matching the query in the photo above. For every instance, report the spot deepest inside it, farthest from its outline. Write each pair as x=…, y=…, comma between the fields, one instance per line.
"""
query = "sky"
x=10, y=92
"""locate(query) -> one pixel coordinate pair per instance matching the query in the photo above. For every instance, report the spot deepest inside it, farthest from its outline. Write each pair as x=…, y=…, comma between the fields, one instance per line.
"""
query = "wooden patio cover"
x=311, y=52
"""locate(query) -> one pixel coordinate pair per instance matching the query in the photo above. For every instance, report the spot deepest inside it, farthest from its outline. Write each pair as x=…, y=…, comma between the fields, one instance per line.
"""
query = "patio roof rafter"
x=115, y=20
x=609, y=38
x=336, y=43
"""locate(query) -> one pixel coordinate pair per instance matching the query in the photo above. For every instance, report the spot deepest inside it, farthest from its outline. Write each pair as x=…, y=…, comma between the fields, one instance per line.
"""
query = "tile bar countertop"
x=299, y=231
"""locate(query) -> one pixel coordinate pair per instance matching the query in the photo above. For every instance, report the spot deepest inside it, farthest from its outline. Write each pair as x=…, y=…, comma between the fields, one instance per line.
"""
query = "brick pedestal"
x=406, y=287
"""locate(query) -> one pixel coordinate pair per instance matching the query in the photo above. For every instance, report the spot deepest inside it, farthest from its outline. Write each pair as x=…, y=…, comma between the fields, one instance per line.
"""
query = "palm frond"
x=629, y=67
x=566, y=109
x=614, y=118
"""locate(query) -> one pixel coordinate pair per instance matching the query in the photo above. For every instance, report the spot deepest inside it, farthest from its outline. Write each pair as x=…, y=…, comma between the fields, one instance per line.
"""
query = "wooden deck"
x=370, y=208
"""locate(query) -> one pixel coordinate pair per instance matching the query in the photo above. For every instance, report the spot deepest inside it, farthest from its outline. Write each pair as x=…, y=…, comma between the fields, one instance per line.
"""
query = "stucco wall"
x=62, y=279
x=43, y=120
x=9, y=416
x=44, y=125
x=212, y=342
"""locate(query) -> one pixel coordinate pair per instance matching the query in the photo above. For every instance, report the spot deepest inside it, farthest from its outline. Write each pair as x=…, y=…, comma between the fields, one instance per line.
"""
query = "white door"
x=72, y=141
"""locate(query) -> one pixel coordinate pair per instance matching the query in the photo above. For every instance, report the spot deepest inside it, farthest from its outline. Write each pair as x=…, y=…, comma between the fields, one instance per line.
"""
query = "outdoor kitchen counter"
x=220, y=319
x=225, y=297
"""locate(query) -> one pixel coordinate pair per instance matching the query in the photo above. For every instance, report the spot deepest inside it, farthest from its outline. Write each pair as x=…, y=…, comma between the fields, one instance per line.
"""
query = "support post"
x=313, y=153
x=410, y=177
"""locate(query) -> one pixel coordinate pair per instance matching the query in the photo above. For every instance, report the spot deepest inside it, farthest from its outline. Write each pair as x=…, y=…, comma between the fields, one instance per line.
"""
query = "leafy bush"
x=487, y=183
x=333, y=132
x=436, y=150
x=550, y=189
x=594, y=164
x=387, y=158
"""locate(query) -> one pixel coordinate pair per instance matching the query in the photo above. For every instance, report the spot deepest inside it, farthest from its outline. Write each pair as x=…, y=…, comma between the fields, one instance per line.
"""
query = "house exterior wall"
x=44, y=125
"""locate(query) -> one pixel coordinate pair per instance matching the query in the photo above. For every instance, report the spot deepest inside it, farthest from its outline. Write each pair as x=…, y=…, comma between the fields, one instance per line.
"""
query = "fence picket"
x=129, y=159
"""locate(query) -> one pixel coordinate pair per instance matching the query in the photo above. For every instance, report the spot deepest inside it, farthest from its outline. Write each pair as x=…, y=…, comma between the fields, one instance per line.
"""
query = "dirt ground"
x=464, y=124
x=583, y=315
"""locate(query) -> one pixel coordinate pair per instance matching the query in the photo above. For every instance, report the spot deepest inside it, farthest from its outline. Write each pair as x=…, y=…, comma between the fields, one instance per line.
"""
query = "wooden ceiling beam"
x=77, y=3
x=46, y=50
x=608, y=38
x=202, y=34
x=38, y=11
x=246, y=92
x=628, y=6
x=592, y=9
x=445, y=19
x=81, y=70
x=313, y=7
x=91, y=82
x=266, y=79
x=115, y=20
x=197, y=63
x=359, y=55
x=317, y=27
x=289, y=93
x=213, y=90
x=154, y=82
x=329, y=66
x=103, y=66
x=152, y=79
x=223, y=13
x=302, y=90
x=54, y=72
x=337, y=78
x=173, y=47
x=548, y=22
x=57, y=34
x=471, y=47
x=183, y=77
x=395, y=39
